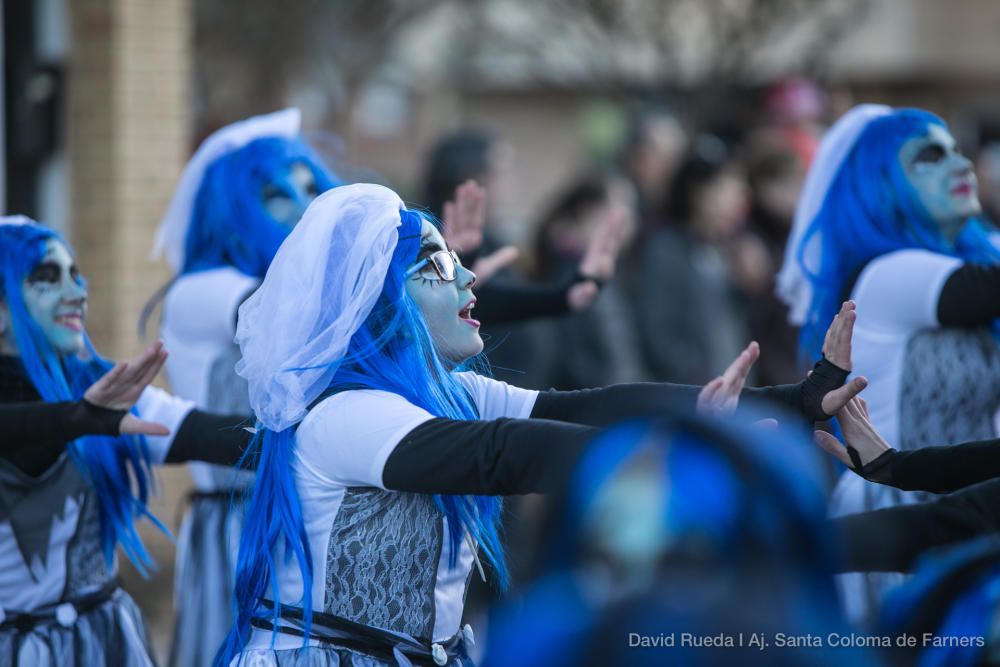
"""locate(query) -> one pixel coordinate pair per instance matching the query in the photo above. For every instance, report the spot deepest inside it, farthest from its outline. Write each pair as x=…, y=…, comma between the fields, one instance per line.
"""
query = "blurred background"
x=699, y=117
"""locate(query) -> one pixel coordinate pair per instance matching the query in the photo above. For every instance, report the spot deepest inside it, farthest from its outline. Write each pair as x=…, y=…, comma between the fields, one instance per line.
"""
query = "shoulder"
x=495, y=399
x=899, y=291
x=911, y=263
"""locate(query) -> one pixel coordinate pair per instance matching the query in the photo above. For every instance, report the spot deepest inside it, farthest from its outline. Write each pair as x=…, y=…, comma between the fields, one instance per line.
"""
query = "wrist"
x=106, y=421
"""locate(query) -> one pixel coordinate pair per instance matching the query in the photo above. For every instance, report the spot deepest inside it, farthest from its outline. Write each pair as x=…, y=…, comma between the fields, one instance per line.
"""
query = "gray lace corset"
x=950, y=393
x=382, y=560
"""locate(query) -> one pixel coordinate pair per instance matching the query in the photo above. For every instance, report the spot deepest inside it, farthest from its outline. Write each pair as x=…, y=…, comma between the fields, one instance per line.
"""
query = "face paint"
x=56, y=298
x=445, y=305
x=287, y=197
x=942, y=178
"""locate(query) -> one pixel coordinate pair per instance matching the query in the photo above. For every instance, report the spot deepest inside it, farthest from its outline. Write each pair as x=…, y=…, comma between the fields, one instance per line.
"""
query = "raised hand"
x=859, y=434
x=600, y=257
x=465, y=217
x=837, y=350
x=721, y=396
x=120, y=388
x=486, y=267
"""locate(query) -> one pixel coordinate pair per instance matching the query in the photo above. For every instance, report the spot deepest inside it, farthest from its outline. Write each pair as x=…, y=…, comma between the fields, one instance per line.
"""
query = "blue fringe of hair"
x=871, y=209
x=118, y=467
x=392, y=351
x=229, y=224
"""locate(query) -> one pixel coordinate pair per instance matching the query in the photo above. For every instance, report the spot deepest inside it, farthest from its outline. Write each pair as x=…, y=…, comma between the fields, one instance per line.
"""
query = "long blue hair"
x=871, y=209
x=229, y=224
x=118, y=467
x=392, y=351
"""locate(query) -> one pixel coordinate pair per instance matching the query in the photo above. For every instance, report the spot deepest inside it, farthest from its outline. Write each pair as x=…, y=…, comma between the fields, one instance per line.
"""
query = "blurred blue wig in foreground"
x=678, y=526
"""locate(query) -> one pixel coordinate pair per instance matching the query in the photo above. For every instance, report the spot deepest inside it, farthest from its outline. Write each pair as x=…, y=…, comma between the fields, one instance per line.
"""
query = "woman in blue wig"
x=237, y=199
x=888, y=217
x=382, y=459
x=75, y=463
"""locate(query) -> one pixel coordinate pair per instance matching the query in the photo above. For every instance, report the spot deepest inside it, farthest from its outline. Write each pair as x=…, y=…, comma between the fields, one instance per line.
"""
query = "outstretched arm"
x=934, y=469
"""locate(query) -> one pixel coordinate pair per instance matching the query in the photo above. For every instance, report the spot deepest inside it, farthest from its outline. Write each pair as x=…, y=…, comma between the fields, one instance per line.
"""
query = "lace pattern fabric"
x=382, y=560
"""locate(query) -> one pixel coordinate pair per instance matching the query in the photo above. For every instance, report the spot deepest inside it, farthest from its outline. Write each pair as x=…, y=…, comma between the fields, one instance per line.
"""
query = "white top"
x=50, y=545
x=929, y=385
x=199, y=322
x=380, y=557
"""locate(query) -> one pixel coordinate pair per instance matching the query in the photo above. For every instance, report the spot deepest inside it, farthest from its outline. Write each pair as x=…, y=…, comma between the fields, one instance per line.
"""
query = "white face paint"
x=942, y=178
x=445, y=305
x=287, y=201
x=56, y=298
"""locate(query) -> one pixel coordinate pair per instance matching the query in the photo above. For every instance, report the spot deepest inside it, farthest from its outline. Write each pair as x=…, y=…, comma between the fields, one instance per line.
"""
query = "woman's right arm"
x=495, y=457
x=891, y=540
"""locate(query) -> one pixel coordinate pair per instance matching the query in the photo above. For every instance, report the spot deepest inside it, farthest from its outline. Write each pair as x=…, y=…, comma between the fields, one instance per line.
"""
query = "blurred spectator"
x=598, y=346
x=652, y=150
x=682, y=280
x=988, y=173
x=796, y=107
x=775, y=173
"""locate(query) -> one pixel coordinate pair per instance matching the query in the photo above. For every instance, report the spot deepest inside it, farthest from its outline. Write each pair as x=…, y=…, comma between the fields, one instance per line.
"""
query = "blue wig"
x=118, y=467
x=735, y=516
x=392, y=351
x=871, y=209
x=229, y=224
x=953, y=594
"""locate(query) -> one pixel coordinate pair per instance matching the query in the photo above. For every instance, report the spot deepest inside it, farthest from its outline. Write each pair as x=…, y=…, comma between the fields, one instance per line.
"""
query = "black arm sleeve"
x=607, y=405
x=937, y=469
x=495, y=457
x=211, y=438
x=500, y=303
x=35, y=433
x=970, y=297
x=890, y=540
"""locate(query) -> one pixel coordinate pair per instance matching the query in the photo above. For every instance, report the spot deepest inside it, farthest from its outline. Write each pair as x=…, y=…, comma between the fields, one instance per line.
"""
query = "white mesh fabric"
x=320, y=288
x=793, y=286
x=172, y=233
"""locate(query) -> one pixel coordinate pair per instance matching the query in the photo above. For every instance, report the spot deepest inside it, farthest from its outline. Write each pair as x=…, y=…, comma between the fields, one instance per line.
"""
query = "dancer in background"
x=888, y=217
x=78, y=441
x=238, y=198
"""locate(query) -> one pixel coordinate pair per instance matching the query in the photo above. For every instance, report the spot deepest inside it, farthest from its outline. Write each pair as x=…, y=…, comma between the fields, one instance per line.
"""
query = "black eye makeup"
x=46, y=272
x=930, y=154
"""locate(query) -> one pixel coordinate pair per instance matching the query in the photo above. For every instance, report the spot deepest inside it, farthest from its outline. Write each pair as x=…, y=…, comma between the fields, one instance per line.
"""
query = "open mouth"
x=72, y=321
x=962, y=190
x=466, y=314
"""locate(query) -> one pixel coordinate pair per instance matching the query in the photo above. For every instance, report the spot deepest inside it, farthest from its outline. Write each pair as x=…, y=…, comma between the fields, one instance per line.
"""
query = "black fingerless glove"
x=878, y=469
x=100, y=420
x=825, y=377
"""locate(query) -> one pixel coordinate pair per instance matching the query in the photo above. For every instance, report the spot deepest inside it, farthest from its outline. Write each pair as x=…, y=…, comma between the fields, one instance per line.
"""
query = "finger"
x=485, y=267
x=838, y=398
x=110, y=378
x=769, y=423
x=152, y=371
x=709, y=391
x=831, y=445
x=132, y=425
x=137, y=367
x=736, y=373
x=581, y=295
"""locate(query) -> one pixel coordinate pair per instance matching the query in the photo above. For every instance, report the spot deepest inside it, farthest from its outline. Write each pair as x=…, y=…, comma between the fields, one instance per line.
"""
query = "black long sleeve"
x=937, y=469
x=506, y=303
x=34, y=434
x=607, y=405
x=203, y=436
x=890, y=540
x=495, y=457
x=970, y=296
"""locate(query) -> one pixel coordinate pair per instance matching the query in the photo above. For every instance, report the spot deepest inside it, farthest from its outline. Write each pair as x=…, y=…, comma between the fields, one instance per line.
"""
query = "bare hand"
x=859, y=433
x=486, y=267
x=465, y=217
x=120, y=388
x=721, y=396
x=599, y=259
x=837, y=350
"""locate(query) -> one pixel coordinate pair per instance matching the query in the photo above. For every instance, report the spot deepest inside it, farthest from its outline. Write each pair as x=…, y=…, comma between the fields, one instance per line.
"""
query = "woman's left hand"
x=721, y=396
x=599, y=259
x=859, y=434
x=837, y=350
